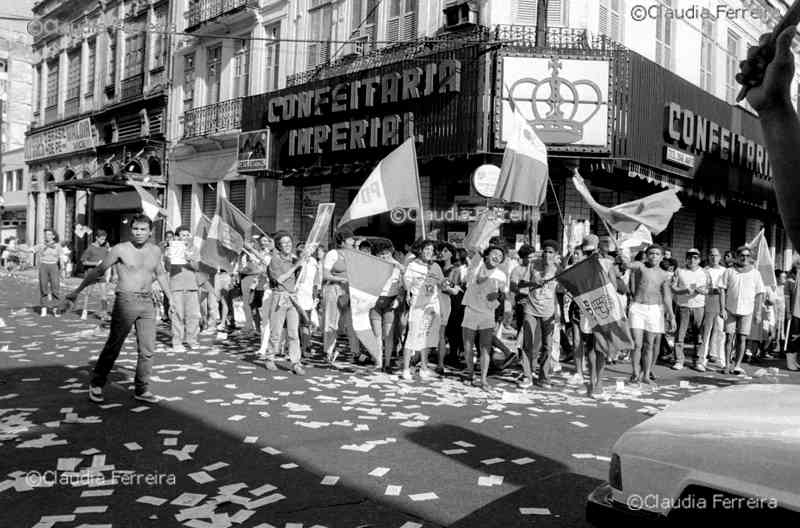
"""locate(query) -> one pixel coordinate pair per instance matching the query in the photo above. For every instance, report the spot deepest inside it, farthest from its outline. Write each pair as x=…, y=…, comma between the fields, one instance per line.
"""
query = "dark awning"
x=103, y=184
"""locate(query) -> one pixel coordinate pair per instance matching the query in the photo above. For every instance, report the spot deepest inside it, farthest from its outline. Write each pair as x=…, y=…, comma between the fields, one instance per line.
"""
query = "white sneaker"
x=407, y=375
x=84, y=315
x=44, y=312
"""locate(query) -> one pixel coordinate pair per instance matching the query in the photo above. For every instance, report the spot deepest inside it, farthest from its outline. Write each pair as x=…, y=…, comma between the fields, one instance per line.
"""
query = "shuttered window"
x=209, y=199
x=186, y=204
x=611, y=19
x=237, y=194
x=525, y=12
x=402, y=22
x=320, y=23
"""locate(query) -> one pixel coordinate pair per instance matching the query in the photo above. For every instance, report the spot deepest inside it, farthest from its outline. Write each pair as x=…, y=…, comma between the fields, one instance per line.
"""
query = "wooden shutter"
x=186, y=204
x=209, y=199
x=526, y=12
x=237, y=194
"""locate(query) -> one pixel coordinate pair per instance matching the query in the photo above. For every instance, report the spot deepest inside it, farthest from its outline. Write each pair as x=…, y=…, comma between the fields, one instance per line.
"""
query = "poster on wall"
x=565, y=101
x=252, y=151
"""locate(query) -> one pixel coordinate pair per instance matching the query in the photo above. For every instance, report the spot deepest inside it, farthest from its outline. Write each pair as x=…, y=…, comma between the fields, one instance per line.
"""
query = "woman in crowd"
x=447, y=292
x=307, y=300
x=422, y=281
x=382, y=315
x=335, y=297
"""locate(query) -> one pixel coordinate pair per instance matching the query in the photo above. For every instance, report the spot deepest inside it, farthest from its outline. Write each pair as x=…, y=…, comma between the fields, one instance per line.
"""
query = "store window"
x=707, y=56
x=731, y=66
x=320, y=15
x=213, y=70
x=664, y=31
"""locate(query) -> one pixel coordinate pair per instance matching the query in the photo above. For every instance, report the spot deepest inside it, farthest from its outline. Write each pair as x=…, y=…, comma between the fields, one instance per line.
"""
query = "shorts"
x=738, y=324
x=647, y=317
x=475, y=320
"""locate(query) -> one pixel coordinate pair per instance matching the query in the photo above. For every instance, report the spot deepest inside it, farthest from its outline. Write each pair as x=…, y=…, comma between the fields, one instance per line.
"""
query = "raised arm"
x=779, y=122
x=94, y=274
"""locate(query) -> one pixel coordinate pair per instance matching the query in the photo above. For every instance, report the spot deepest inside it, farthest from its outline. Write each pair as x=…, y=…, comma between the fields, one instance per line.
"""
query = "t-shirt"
x=278, y=265
x=684, y=278
x=741, y=290
x=476, y=295
x=93, y=254
x=716, y=275
x=540, y=302
x=182, y=277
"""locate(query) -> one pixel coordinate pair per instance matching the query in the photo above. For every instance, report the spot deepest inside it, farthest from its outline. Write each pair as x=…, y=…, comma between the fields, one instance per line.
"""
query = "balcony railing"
x=213, y=119
x=72, y=106
x=132, y=86
x=51, y=114
x=205, y=10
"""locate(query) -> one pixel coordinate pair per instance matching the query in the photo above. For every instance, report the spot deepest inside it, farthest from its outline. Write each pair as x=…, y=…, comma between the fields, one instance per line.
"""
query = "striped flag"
x=150, y=206
x=228, y=230
x=763, y=260
x=654, y=211
x=393, y=183
x=523, y=173
x=366, y=276
x=592, y=289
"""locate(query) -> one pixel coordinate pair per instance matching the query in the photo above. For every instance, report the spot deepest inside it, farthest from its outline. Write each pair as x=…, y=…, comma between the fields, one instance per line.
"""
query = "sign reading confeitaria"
x=358, y=113
x=690, y=130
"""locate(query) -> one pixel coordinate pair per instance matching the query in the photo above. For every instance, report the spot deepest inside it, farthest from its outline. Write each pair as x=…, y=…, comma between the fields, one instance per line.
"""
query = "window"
x=209, y=199
x=707, y=56
x=557, y=13
x=91, y=60
x=402, y=23
x=320, y=21
x=612, y=19
x=241, y=68
x=74, y=75
x=186, y=204
x=134, y=55
x=237, y=194
x=524, y=12
x=188, y=82
x=18, y=185
x=664, y=37
x=159, y=41
x=731, y=66
x=363, y=24
x=52, y=83
x=111, y=77
x=273, y=55
x=213, y=66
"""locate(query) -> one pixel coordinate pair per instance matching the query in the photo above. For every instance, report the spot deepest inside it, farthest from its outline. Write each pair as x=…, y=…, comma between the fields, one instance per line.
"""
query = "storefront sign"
x=485, y=179
x=692, y=131
x=60, y=140
x=359, y=104
x=252, y=151
x=678, y=157
x=574, y=114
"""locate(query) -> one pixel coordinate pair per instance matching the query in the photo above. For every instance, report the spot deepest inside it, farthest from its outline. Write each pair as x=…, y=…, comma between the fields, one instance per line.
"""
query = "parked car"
x=731, y=453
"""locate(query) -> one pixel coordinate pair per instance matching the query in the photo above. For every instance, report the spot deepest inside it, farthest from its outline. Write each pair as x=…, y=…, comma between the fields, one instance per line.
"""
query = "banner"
x=762, y=258
x=60, y=140
x=320, y=228
x=253, y=148
x=480, y=233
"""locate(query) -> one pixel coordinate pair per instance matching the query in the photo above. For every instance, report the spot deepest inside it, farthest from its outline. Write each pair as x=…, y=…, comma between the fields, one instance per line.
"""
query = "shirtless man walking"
x=652, y=300
x=137, y=263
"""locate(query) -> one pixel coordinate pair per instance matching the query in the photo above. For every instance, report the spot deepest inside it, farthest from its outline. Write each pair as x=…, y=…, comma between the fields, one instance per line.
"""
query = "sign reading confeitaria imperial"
x=589, y=100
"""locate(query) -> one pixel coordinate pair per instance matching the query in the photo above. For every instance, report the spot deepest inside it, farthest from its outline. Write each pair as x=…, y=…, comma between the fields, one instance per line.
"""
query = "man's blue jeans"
x=130, y=308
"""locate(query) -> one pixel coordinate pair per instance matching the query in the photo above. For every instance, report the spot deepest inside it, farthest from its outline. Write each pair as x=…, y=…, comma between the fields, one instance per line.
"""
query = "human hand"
x=768, y=71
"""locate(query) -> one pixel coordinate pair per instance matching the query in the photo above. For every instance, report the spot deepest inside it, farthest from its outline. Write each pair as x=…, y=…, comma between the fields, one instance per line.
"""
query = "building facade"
x=100, y=92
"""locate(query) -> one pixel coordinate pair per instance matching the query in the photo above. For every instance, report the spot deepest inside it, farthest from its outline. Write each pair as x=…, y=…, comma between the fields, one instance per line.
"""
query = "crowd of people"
x=447, y=306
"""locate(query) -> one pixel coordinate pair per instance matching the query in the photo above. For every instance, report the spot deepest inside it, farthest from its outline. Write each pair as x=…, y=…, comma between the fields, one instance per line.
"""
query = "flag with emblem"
x=150, y=206
x=228, y=230
x=393, y=183
x=591, y=288
x=366, y=277
x=523, y=173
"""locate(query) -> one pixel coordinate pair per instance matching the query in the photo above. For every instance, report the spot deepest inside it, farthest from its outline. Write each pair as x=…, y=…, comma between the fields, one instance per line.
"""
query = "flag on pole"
x=480, y=232
x=227, y=232
x=393, y=183
x=654, y=211
x=201, y=232
x=366, y=276
x=320, y=227
x=763, y=260
x=592, y=289
x=150, y=206
x=523, y=173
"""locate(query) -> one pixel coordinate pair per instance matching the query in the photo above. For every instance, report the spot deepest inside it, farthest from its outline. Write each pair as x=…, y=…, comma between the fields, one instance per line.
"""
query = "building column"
x=60, y=213
x=30, y=220
x=40, y=216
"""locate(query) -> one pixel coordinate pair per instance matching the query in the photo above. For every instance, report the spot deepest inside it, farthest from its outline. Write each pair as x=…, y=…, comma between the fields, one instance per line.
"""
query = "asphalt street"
x=231, y=444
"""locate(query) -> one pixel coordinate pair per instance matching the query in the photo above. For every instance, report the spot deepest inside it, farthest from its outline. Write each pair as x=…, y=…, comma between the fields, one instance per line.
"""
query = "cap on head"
x=590, y=243
x=693, y=251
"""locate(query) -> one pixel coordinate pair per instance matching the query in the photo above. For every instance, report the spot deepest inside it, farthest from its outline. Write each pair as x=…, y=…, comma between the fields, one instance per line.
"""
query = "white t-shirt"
x=741, y=290
x=716, y=275
x=475, y=296
x=684, y=277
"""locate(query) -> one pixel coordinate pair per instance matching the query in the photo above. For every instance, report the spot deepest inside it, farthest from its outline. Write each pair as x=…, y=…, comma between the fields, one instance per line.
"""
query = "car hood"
x=747, y=432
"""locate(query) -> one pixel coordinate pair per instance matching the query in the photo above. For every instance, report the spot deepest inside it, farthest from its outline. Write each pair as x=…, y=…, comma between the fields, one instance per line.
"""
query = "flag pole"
x=419, y=190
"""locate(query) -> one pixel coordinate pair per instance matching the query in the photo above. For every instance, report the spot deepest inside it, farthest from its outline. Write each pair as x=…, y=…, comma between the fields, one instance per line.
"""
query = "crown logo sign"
x=561, y=123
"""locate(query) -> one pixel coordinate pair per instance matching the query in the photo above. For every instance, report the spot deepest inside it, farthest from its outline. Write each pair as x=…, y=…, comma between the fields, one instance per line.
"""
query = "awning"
x=206, y=168
x=104, y=184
